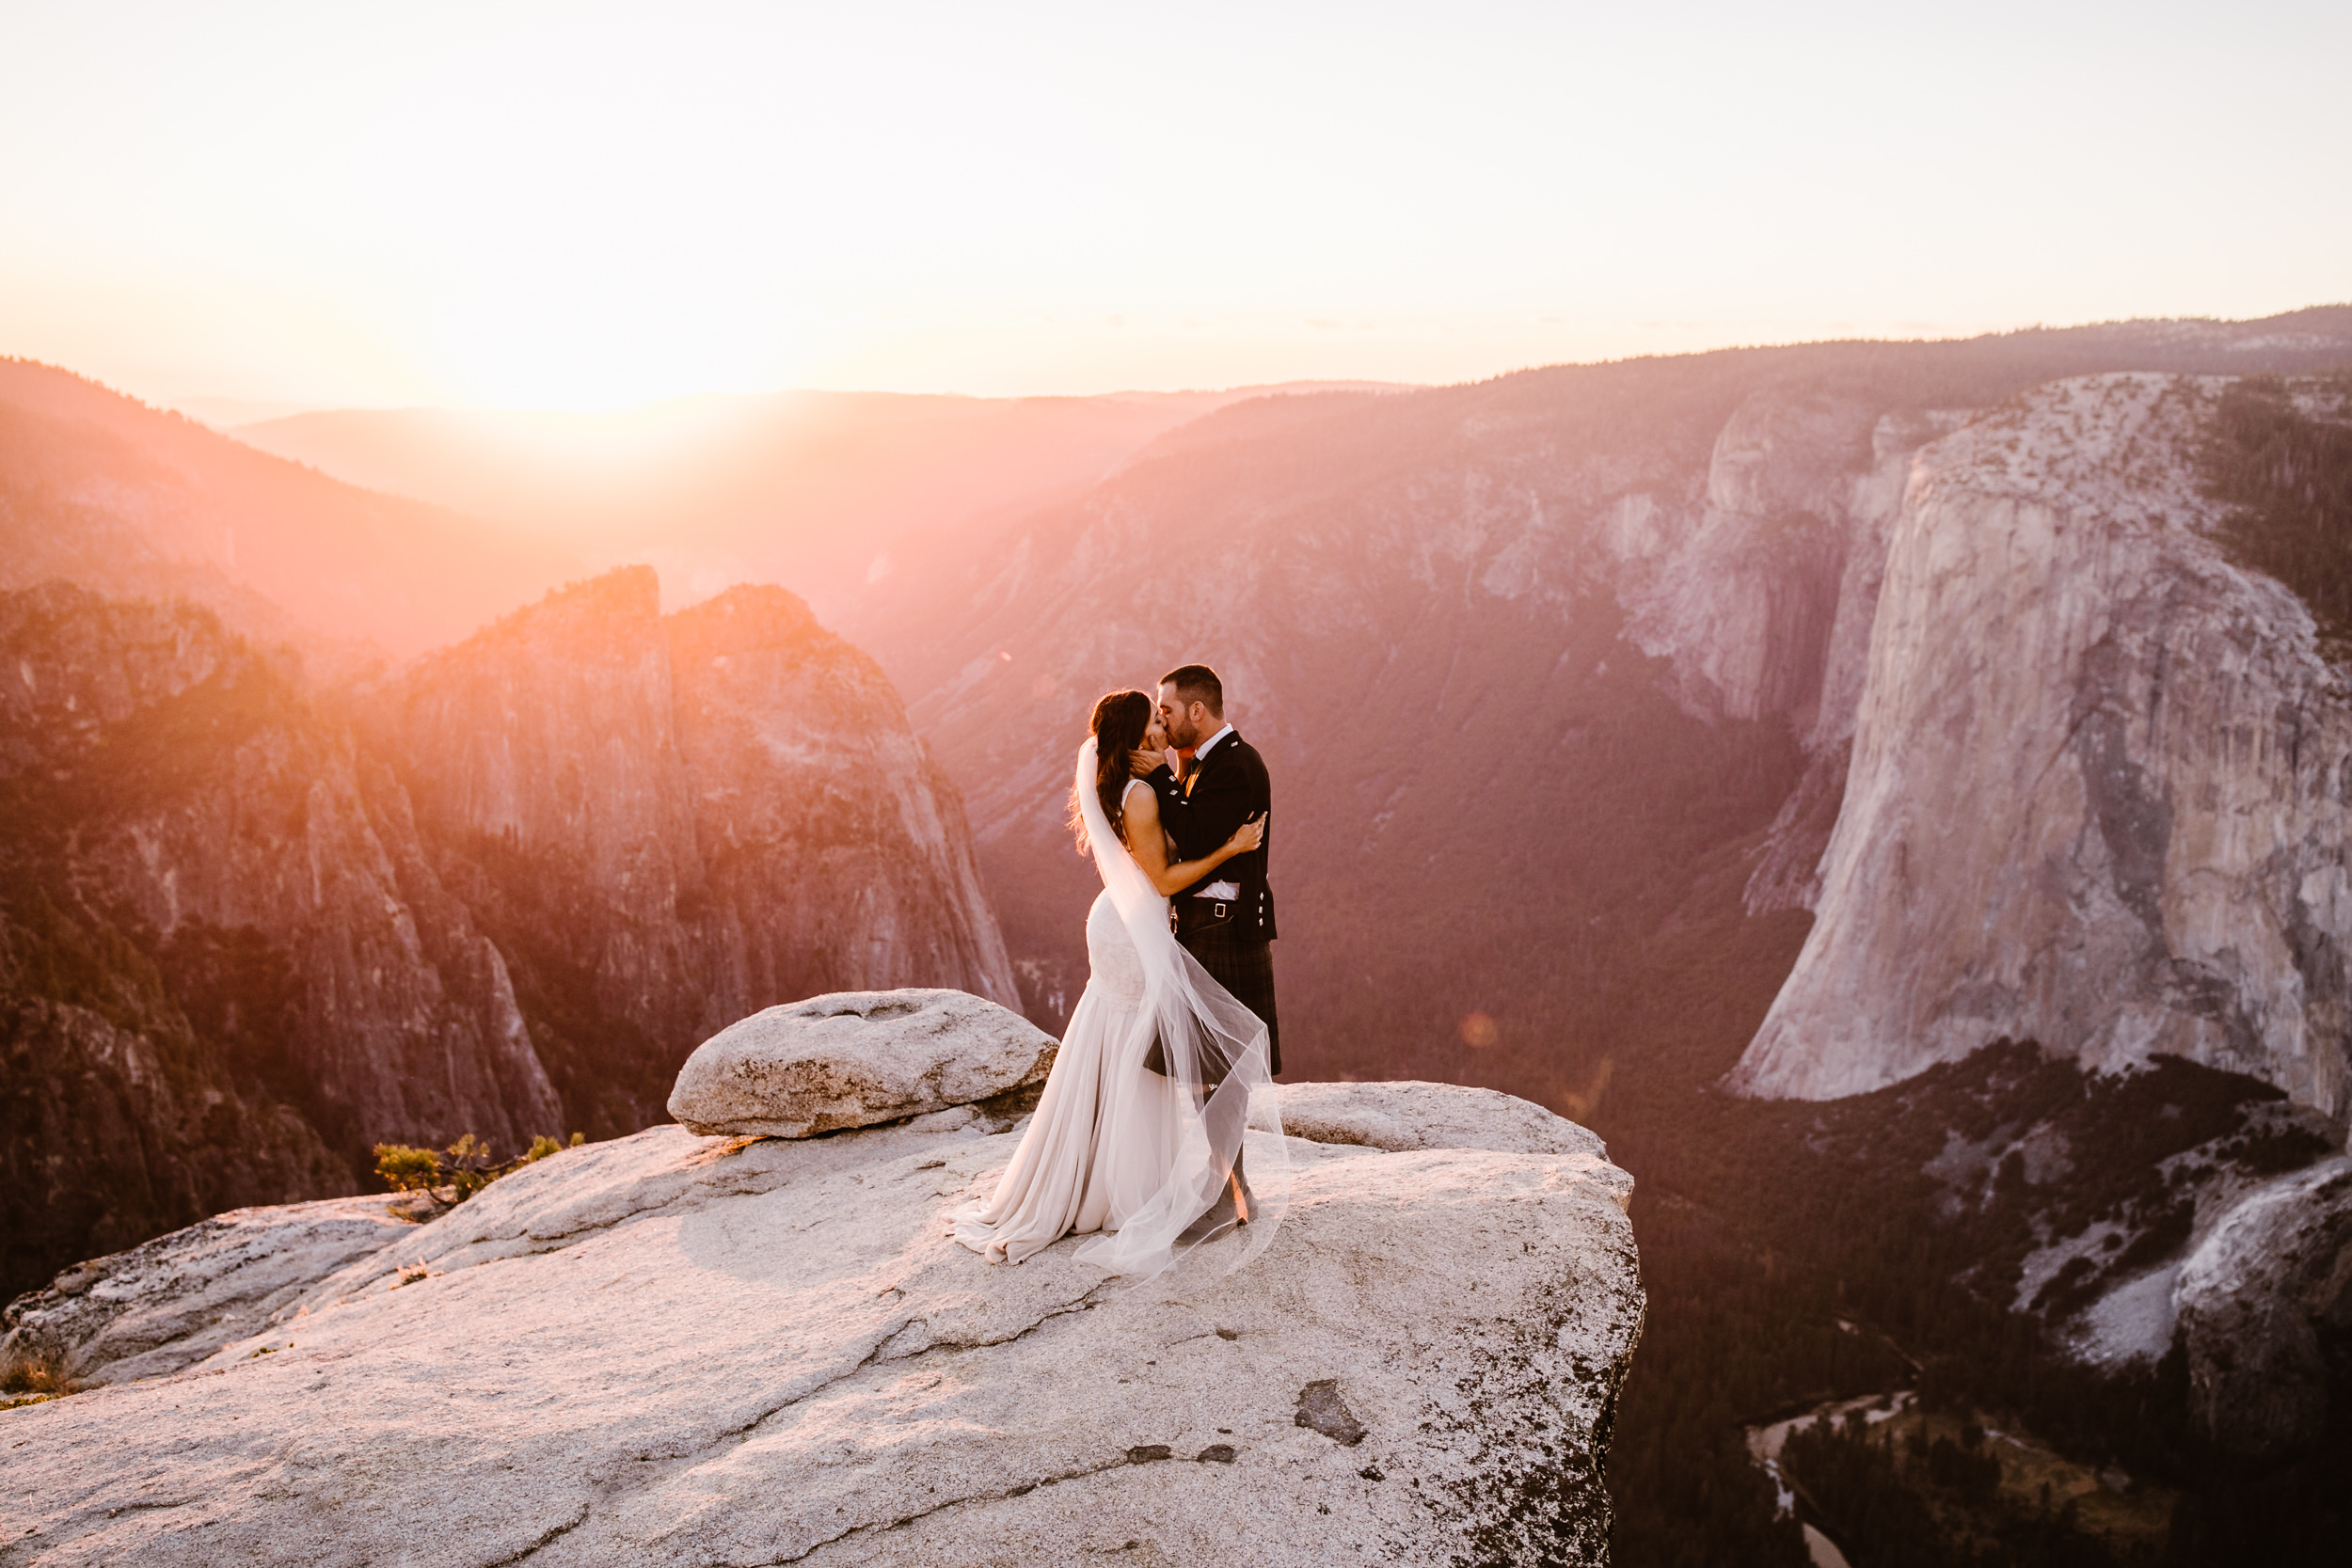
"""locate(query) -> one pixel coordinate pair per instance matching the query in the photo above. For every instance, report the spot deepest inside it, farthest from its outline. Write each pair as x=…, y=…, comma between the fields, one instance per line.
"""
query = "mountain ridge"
x=808, y=488
x=241, y=938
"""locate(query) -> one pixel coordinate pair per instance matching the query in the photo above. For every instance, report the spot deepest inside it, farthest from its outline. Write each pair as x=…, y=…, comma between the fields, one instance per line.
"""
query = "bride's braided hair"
x=1120, y=721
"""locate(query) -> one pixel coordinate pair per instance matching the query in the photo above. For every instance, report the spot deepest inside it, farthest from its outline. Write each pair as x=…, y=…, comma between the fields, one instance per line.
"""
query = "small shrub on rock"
x=450, y=1176
x=28, y=1377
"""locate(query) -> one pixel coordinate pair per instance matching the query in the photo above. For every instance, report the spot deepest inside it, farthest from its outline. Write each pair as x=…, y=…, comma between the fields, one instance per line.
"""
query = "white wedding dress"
x=1129, y=1156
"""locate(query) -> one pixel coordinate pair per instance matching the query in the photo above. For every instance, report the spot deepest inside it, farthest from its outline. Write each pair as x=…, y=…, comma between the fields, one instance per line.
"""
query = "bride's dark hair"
x=1119, y=724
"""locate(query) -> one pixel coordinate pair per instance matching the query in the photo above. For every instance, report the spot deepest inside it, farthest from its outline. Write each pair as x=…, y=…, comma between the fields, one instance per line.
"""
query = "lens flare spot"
x=1478, y=1030
x=1577, y=1104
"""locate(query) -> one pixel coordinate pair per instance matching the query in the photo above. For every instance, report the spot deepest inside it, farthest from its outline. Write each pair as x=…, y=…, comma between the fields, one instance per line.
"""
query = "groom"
x=1226, y=920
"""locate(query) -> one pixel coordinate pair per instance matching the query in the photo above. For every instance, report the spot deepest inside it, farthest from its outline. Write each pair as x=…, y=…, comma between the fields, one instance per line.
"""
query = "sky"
x=585, y=206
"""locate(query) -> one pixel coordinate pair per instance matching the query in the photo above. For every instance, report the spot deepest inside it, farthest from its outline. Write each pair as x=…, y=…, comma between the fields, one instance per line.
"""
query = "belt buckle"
x=1218, y=908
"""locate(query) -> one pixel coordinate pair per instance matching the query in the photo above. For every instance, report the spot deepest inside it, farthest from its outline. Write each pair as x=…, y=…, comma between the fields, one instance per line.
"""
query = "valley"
x=1893, y=792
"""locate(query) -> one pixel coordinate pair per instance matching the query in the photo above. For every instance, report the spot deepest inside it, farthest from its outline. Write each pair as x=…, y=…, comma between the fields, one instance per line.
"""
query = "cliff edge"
x=672, y=1348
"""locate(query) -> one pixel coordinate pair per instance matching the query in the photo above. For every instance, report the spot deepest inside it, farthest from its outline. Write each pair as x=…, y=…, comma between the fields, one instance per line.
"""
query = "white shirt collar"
x=1202, y=750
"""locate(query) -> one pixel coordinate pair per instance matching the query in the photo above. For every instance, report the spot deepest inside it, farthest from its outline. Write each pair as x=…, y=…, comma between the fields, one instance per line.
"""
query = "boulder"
x=855, y=1059
x=2264, y=1308
x=669, y=1349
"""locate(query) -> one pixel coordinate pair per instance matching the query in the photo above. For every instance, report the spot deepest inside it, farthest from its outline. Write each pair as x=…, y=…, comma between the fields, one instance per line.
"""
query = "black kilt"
x=1244, y=966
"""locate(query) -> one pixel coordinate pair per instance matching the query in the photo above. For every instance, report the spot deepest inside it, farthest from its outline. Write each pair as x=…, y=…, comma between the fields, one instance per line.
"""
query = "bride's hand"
x=1247, y=838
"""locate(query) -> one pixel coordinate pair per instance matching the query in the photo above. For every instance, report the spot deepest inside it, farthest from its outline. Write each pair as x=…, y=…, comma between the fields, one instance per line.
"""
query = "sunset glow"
x=1730, y=944
x=590, y=207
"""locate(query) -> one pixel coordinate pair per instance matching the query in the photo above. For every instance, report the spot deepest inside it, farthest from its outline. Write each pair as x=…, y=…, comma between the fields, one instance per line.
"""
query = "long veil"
x=1214, y=1100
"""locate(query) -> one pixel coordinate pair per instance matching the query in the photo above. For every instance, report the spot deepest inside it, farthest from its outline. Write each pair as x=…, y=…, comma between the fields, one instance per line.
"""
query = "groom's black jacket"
x=1231, y=789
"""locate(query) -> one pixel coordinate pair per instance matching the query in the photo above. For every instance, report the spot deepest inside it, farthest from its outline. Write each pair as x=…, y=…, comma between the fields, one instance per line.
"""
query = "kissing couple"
x=1166, y=1074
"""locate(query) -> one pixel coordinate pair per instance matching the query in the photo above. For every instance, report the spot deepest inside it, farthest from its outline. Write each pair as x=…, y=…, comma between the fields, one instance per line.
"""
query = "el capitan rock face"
x=2096, y=797
x=669, y=1348
x=667, y=824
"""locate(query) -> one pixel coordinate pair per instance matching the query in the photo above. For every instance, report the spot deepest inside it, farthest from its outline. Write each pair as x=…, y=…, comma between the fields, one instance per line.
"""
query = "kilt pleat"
x=1245, y=967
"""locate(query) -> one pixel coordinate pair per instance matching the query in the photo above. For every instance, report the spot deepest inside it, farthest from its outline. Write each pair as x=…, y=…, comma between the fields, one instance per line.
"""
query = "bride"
x=1139, y=1133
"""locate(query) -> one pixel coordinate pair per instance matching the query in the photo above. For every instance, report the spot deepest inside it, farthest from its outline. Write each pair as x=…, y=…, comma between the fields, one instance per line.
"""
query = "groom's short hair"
x=1198, y=683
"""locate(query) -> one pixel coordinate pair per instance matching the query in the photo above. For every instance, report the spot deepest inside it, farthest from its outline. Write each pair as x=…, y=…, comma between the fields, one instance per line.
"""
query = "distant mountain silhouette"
x=808, y=489
x=99, y=489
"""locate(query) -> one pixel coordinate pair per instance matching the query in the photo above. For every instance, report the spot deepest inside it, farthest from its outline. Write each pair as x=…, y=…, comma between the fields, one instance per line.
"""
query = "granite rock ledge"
x=675, y=1349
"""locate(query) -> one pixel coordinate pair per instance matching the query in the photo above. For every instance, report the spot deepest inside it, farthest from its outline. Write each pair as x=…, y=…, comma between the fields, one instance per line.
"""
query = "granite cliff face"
x=668, y=824
x=835, y=848
x=2096, y=796
x=2082, y=771
x=227, y=802
x=218, y=909
x=671, y=1348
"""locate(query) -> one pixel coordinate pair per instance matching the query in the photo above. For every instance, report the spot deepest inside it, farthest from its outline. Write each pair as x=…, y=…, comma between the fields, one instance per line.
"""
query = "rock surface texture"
x=834, y=847
x=1408, y=1116
x=2264, y=1308
x=2096, y=796
x=855, y=1059
x=671, y=1349
x=185, y=784
x=169, y=1302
